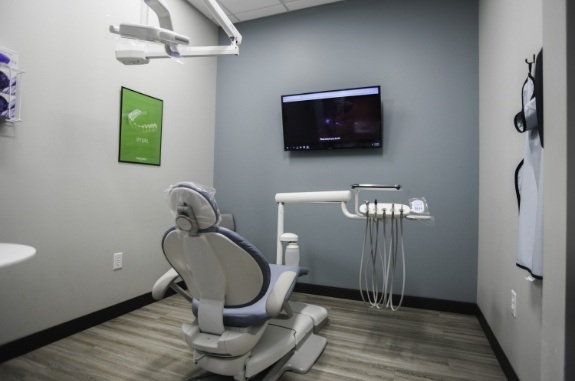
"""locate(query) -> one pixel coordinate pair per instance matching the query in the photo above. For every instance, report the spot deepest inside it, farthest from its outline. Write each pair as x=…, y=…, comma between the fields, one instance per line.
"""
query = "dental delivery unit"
x=378, y=256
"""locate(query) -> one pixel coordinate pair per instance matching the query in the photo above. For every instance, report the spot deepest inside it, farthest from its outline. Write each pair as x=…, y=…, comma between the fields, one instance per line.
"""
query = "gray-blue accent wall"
x=424, y=55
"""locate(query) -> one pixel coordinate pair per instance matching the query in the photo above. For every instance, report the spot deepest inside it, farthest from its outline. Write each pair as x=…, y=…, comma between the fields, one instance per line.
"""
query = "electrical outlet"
x=513, y=304
x=117, y=261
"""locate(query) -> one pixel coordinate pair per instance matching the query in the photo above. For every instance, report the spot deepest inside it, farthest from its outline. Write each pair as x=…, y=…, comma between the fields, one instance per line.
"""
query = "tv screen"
x=335, y=119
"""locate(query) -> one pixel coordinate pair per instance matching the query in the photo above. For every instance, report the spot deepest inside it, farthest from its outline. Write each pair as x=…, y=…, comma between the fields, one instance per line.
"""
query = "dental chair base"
x=292, y=340
x=280, y=344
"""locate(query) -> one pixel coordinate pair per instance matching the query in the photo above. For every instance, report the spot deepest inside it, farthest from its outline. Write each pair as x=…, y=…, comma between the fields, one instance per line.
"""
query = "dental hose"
x=396, y=238
x=368, y=274
x=369, y=285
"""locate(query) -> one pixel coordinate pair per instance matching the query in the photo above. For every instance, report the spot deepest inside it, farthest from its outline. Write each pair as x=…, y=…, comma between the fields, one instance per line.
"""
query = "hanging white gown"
x=529, y=182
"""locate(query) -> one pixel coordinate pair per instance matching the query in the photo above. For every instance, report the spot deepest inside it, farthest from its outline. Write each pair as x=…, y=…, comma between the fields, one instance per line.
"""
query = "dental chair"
x=244, y=325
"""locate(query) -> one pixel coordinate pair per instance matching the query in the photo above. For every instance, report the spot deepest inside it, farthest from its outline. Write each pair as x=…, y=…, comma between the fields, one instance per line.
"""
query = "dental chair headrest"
x=193, y=206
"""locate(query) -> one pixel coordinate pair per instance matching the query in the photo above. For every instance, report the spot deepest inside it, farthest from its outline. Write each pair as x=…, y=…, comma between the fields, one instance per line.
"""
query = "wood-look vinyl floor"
x=363, y=344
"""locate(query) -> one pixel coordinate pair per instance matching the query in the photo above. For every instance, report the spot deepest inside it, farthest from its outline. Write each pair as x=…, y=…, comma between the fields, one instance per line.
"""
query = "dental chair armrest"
x=279, y=292
x=161, y=286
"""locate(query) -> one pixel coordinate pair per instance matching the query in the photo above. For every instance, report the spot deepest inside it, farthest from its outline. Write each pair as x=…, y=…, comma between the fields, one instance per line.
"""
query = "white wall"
x=62, y=189
x=559, y=101
x=539, y=342
x=509, y=32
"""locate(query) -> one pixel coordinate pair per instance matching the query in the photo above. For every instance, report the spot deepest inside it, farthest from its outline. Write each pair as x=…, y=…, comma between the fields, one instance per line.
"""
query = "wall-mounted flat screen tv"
x=335, y=119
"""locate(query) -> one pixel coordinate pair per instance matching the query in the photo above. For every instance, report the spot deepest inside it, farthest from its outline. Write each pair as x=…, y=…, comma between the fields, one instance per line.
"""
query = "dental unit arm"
x=416, y=211
x=137, y=54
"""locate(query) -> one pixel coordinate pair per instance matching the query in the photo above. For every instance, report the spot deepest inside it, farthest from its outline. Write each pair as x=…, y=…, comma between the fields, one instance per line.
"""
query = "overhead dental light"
x=175, y=44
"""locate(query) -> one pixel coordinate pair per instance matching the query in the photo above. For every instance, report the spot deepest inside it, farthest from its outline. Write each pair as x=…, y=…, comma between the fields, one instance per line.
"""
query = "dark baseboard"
x=408, y=301
x=499, y=354
x=37, y=340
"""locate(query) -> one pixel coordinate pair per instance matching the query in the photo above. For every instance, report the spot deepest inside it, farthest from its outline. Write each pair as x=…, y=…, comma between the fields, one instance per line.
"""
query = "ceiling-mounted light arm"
x=224, y=21
x=162, y=12
x=137, y=54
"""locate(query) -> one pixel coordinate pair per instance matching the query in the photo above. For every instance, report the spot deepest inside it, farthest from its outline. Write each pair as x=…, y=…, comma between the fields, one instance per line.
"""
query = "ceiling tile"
x=262, y=12
x=241, y=6
x=243, y=10
x=301, y=4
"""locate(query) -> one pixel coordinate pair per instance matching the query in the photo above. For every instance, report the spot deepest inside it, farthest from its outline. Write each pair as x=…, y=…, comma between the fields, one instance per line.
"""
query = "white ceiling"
x=243, y=10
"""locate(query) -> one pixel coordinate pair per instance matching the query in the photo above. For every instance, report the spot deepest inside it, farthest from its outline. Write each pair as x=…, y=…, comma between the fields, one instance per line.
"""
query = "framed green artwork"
x=140, y=128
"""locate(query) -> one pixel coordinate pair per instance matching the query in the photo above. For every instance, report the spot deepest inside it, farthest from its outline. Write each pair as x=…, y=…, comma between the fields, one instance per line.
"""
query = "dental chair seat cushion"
x=256, y=313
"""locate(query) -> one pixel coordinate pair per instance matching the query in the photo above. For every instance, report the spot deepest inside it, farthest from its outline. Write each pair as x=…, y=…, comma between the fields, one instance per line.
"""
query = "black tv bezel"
x=378, y=144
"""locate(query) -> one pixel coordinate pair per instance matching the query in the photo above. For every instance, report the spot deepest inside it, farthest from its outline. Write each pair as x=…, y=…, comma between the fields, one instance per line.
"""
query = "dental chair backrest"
x=219, y=267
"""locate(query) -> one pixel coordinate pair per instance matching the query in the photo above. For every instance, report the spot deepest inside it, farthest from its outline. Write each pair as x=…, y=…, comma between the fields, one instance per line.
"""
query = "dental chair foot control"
x=306, y=355
x=301, y=360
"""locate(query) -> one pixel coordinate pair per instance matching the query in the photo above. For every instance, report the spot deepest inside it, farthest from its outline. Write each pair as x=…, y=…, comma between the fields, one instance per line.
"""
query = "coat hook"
x=530, y=63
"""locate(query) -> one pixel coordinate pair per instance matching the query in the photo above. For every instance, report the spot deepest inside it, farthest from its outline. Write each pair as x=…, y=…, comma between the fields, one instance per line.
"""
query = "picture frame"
x=140, y=128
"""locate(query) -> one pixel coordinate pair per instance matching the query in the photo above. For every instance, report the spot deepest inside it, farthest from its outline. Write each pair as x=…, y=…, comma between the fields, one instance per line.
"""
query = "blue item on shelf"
x=4, y=59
